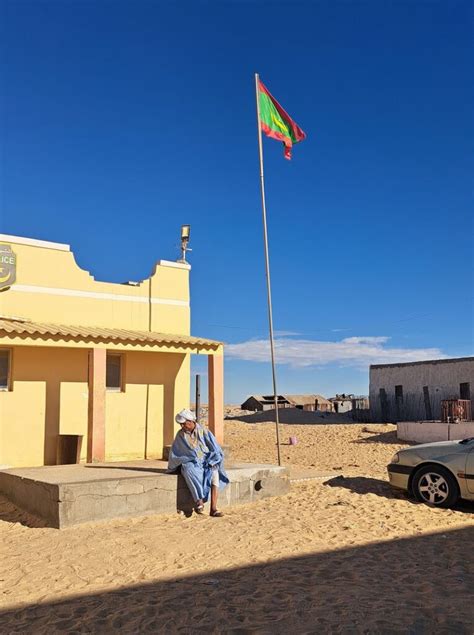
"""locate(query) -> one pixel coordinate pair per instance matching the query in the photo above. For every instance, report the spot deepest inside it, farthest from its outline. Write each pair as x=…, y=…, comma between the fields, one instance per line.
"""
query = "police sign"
x=7, y=266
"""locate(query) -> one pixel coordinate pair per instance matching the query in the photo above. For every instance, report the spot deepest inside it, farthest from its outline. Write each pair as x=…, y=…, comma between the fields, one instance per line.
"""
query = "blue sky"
x=120, y=121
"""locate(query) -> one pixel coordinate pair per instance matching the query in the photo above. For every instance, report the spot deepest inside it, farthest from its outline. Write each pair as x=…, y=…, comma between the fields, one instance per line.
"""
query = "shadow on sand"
x=367, y=485
x=350, y=590
x=295, y=416
x=382, y=437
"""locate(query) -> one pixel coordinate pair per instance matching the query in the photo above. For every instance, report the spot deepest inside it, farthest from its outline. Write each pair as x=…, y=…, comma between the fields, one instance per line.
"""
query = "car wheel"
x=436, y=486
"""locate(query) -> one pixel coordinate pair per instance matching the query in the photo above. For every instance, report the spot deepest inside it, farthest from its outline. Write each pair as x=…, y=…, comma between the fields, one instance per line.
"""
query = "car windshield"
x=466, y=441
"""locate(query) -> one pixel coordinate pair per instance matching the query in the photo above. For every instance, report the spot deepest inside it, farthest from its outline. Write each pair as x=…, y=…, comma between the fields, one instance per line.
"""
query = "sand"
x=341, y=554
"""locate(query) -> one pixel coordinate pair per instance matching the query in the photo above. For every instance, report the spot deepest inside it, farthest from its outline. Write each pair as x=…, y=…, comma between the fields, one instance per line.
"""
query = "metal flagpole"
x=267, y=268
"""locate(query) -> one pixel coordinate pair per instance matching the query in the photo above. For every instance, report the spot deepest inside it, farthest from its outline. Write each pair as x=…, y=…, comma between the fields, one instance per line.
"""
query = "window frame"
x=9, y=386
x=121, y=386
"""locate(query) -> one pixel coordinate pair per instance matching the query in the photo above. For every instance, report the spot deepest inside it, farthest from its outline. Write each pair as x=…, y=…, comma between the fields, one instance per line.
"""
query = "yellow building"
x=110, y=362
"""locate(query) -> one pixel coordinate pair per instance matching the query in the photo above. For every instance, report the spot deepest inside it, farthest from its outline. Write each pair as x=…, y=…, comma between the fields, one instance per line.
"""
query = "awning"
x=13, y=328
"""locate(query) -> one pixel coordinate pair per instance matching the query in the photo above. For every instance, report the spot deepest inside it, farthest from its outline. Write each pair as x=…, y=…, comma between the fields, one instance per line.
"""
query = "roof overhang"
x=20, y=332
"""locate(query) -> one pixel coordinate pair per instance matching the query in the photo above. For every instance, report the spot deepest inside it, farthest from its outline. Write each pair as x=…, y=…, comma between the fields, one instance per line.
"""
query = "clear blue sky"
x=120, y=121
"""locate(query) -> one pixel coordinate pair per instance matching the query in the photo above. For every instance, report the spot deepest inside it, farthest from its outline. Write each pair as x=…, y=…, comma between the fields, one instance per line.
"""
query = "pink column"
x=96, y=414
x=216, y=396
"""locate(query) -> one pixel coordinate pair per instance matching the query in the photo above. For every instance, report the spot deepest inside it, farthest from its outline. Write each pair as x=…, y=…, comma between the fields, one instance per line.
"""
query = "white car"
x=435, y=473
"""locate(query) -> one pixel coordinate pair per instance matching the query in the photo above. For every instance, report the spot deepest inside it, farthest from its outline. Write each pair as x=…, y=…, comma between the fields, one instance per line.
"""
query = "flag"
x=276, y=122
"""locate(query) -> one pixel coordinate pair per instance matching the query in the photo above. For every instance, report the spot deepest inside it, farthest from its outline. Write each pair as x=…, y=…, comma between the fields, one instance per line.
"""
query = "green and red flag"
x=276, y=123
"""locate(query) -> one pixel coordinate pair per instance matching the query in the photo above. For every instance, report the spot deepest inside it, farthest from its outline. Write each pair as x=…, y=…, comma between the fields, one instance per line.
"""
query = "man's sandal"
x=199, y=509
x=216, y=514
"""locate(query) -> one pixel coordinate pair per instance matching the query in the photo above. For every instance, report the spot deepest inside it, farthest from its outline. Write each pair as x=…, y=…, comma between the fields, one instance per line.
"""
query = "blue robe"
x=196, y=461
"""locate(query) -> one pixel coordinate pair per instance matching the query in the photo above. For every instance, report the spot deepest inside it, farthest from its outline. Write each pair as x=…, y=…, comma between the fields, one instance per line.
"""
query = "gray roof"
x=449, y=360
x=301, y=400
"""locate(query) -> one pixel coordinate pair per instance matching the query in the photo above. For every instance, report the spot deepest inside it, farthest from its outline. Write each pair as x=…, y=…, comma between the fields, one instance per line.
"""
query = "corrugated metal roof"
x=17, y=327
x=301, y=400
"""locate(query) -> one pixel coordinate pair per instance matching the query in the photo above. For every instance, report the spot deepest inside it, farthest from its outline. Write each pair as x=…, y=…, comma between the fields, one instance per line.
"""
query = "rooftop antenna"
x=185, y=234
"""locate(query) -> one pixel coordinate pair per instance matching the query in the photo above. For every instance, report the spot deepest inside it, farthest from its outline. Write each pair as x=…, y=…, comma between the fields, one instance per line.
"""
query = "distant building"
x=303, y=402
x=357, y=405
x=263, y=402
x=309, y=402
x=342, y=403
x=413, y=391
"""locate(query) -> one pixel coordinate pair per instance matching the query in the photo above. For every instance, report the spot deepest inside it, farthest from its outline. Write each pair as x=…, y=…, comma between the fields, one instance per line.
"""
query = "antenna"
x=185, y=235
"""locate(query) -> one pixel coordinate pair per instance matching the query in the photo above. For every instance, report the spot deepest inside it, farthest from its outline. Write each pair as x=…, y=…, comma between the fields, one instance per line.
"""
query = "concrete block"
x=458, y=431
x=67, y=495
x=422, y=431
x=431, y=431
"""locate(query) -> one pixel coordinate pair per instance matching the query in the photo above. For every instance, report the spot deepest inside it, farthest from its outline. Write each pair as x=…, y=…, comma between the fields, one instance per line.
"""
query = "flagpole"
x=267, y=269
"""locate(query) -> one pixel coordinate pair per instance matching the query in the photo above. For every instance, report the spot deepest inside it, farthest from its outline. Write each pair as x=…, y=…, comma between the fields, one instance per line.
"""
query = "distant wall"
x=343, y=405
x=414, y=391
x=251, y=404
x=429, y=431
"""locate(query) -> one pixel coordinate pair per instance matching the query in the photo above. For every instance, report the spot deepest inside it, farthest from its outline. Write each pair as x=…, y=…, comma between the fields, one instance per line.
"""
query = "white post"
x=267, y=268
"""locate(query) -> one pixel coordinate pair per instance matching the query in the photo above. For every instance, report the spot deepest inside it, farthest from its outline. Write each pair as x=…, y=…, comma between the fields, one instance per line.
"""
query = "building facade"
x=107, y=362
x=414, y=391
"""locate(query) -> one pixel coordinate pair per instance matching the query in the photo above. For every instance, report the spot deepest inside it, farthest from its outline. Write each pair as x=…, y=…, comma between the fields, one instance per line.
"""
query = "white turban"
x=185, y=415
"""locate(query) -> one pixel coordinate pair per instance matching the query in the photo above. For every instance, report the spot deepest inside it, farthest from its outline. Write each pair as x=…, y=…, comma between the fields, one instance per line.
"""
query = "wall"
x=140, y=420
x=49, y=283
x=343, y=405
x=50, y=384
x=429, y=431
x=50, y=397
x=251, y=404
x=441, y=376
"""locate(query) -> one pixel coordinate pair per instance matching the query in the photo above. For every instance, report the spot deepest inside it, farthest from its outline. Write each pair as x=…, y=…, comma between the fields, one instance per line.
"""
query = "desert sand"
x=341, y=553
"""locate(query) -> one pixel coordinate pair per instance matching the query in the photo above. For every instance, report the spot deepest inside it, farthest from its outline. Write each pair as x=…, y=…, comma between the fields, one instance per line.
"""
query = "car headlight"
x=395, y=458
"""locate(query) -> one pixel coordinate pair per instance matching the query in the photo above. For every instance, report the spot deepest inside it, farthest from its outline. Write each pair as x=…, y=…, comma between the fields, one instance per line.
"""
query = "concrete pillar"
x=96, y=413
x=216, y=396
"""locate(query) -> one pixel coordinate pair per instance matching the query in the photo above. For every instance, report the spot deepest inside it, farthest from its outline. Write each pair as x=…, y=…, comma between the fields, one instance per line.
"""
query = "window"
x=465, y=390
x=399, y=392
x=5, y=368
x=113, y=380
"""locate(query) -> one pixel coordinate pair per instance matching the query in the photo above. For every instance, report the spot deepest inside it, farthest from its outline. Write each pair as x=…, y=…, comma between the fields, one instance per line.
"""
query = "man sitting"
x=197, y=454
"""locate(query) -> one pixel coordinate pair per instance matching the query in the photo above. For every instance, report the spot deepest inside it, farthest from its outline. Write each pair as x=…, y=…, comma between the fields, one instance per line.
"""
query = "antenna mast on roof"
x=185, y=235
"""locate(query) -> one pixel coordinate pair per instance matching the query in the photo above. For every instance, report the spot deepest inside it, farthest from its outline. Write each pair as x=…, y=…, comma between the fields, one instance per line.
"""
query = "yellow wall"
x=50, y=397
x=50, y=287
x=140, y=420
x=50, y=389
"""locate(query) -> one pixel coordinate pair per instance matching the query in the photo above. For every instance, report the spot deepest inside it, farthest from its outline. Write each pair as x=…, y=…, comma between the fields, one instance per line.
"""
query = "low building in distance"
x=303, y=402
x=414, y=391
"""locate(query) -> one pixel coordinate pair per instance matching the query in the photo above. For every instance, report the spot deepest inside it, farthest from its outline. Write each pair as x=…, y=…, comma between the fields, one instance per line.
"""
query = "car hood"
x=442, y=445
x=440, y=450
